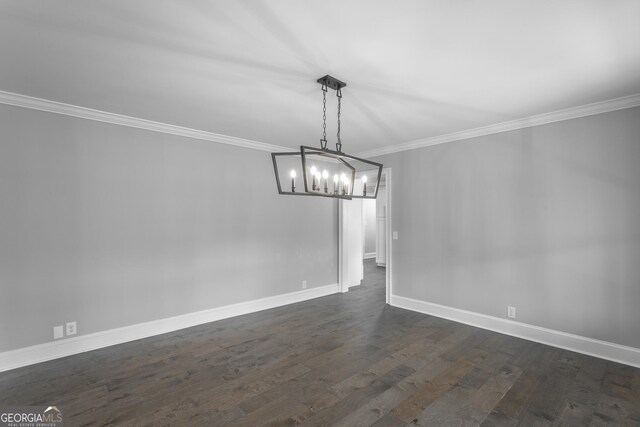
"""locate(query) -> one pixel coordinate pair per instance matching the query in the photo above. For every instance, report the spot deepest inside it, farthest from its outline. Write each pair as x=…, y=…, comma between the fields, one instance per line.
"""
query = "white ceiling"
x=414, y=68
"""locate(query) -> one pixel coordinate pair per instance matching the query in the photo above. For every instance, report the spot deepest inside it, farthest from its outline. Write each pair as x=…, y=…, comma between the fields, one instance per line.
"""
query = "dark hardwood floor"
x=346, y=360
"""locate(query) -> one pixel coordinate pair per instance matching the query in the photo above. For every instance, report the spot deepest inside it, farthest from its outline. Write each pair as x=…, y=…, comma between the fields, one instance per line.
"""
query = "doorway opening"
x=364, y=239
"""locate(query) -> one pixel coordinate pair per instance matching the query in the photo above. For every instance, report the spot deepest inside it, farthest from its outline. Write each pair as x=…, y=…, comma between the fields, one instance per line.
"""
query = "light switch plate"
x=58, y=332
x=395, y=235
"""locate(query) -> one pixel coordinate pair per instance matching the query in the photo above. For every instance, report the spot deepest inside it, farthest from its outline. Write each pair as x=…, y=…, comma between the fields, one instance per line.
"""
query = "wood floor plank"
x=342, y=360
x=411, y=407
x=479, y=405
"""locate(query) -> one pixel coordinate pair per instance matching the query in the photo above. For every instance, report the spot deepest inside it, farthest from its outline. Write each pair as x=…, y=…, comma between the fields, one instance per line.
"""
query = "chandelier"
x=323, y=172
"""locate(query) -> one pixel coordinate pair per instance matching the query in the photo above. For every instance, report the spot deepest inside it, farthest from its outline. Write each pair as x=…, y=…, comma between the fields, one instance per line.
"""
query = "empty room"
x=338, y=213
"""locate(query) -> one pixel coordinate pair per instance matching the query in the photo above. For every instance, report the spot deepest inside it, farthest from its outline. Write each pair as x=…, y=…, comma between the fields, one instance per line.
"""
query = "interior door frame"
x=342, y=283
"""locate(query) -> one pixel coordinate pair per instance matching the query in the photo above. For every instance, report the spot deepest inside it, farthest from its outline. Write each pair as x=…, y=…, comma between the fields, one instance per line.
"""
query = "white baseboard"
x=354, y=284
x=67, y=347
x=369, y=255
x=589, y=346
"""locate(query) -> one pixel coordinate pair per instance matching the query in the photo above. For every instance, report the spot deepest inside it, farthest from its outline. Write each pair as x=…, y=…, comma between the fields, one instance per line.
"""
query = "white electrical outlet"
x=511, y=312
x=58, y=332
x=304, y=284
x=395, y=235
x=71, y=328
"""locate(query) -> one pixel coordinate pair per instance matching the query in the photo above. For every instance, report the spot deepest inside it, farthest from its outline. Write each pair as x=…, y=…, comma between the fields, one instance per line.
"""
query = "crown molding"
x=33, y=103
x=541, y=119
x=30, y=102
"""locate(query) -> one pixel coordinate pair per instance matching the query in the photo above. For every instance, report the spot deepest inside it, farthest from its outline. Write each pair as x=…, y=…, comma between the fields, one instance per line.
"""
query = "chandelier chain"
x=323, y=141
x=339, y=143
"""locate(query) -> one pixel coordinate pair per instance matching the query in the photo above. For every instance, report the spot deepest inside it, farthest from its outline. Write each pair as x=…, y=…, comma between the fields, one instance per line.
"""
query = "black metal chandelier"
x=325, y=172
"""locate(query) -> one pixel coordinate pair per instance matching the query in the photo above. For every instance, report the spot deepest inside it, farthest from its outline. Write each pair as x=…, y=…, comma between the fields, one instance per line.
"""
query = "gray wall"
x=546, y=219
x=369, y=214
x=112, y=226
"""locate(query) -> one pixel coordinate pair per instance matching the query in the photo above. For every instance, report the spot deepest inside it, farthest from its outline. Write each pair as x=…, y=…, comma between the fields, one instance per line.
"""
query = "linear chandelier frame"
x=315, y=165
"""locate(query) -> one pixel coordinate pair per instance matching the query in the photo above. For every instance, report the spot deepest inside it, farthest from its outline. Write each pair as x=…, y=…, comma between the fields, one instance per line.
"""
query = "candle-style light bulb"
x=293, y=181
x=343, y=178
x=364, y=185
x=313, y=177
x=335, y=183
x=325, y=175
